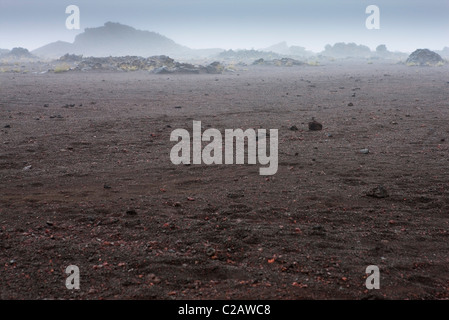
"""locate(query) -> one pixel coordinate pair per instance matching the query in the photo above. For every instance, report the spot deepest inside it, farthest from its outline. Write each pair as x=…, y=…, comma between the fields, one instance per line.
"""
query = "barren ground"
x=102, y=193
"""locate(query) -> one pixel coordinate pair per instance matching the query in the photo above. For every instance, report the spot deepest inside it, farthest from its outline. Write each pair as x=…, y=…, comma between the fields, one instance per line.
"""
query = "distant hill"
x=246, y=56
x=344, y=50
x=54, y=50
x=444, y=53
x=3, y=51
x=283, y=49
x=115, y=39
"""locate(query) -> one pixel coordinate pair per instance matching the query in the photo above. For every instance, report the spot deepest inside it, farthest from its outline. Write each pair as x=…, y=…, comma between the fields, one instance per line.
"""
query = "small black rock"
x=378, y=192
x=315, y=126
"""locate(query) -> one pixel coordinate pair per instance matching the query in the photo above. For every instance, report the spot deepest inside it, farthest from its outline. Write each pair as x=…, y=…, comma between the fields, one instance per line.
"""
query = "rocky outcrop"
x=283, y=62
x=424, y=57
x=154, y=64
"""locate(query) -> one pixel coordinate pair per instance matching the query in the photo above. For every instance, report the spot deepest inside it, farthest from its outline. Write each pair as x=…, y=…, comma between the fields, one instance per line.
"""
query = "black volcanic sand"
x=102, y=193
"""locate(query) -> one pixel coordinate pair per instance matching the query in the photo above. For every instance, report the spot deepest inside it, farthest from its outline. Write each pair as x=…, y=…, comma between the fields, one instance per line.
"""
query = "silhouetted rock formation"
x=18, y=54
x=114, y=39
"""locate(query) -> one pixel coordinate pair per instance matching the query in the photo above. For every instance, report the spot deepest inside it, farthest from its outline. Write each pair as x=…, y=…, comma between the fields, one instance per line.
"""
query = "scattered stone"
x=318, y=230
x=364, y=151
x=178, y=107
x=235, y=195
x=378, y=192
x=46, y=105
x=315, y=126
x=210, y=252
x=7, y=126
x=350, y=104
x=293, y=128
x=27, y=168
x=49, y=223
x=154, y=279
x=106, y=186
x=131, y=212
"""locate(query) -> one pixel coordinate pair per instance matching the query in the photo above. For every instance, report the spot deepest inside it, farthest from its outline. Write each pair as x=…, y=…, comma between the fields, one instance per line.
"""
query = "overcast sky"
x=405, y=24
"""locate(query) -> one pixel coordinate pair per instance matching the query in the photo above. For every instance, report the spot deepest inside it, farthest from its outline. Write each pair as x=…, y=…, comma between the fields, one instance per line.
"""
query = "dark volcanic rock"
x=215, y=68
x=315, y=126
x=378, y=192
x=424, y=57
